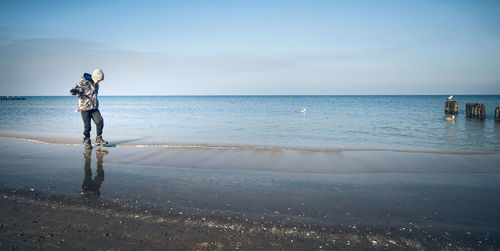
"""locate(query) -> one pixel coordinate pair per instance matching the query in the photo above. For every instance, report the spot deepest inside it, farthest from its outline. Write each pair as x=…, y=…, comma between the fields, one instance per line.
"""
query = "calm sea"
x=407, y=123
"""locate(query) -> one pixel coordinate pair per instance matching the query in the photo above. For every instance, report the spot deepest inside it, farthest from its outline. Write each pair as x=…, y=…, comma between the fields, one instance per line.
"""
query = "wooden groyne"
x=12, y=98
x=451, y=107
x=475, y=110
x=472, y=110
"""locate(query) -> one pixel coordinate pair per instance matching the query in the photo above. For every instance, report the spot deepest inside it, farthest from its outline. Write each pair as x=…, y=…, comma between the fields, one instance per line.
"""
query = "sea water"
x=397, y=123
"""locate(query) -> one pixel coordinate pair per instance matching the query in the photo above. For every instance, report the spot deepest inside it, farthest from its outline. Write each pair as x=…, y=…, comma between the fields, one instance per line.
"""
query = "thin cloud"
x=51, y=66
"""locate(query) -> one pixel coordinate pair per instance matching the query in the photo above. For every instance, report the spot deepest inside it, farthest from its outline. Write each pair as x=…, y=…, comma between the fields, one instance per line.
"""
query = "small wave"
x=250, y=148
x=39, y=141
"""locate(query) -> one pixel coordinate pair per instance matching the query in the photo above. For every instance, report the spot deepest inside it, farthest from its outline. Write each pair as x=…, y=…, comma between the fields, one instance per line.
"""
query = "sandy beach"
x=61, y=196
x=250, y=125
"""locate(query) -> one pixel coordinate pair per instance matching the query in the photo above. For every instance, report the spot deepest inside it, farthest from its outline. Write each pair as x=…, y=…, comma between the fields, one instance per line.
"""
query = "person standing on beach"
x=88, y=105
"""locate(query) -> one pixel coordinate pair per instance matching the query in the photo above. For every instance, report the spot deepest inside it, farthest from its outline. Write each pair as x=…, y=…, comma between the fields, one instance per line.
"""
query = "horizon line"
x=249, y=95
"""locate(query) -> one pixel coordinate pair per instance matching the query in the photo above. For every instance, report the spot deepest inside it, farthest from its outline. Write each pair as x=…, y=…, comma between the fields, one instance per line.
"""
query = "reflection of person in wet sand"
x=91, y=187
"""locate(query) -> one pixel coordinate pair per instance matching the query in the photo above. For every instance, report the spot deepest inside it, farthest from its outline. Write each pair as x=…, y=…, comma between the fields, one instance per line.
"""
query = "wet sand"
x=56, y=196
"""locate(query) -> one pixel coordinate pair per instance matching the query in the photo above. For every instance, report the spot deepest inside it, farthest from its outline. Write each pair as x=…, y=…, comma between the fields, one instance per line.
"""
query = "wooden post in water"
x=497, y=114
x=475, y=110
x=451, y=107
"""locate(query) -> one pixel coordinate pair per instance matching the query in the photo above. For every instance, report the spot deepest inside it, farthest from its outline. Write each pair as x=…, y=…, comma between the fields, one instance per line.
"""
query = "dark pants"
x=94, y=115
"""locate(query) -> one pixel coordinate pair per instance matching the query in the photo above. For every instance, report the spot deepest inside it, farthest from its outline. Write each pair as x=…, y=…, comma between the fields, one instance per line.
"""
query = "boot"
x=100, y=141
x=87, y=144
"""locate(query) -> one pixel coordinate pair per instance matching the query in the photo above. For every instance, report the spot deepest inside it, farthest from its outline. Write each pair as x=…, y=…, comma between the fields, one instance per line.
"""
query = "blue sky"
x=251, y=47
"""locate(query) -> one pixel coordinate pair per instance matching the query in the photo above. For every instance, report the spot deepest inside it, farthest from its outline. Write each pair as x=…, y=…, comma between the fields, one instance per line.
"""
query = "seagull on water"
x=452, y=118
x=450, y=97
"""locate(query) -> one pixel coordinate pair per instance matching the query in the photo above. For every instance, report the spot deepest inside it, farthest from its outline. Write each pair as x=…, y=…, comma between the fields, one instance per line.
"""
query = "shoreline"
x=207, y=199
x=277, y=160
x=127, y=143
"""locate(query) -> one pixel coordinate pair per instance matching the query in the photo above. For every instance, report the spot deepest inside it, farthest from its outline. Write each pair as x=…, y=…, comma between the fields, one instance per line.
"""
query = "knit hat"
x=97, y=75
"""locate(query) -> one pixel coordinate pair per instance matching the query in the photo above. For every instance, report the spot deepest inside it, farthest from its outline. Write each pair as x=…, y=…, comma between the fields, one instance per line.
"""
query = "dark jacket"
x=87, y=91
